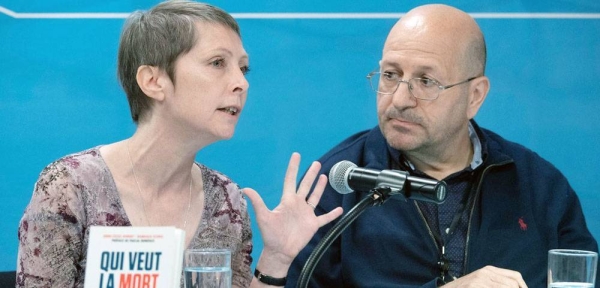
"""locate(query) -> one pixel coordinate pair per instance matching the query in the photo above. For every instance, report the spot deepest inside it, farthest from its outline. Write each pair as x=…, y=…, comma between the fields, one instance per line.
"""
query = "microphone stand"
x=376, y=197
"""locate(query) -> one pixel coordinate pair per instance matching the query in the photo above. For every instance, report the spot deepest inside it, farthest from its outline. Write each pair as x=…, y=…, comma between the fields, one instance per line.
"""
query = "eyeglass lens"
x=419, y=88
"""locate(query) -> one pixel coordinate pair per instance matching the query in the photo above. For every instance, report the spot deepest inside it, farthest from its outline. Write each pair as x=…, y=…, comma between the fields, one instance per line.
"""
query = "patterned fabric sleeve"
x=50, y=232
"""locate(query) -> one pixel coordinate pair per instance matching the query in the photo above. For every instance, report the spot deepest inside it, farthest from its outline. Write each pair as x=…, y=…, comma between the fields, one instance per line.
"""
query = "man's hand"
x=489, y=276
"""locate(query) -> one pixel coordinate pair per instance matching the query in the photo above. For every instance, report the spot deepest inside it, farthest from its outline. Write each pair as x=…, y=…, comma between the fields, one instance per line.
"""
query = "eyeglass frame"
x=439, y=85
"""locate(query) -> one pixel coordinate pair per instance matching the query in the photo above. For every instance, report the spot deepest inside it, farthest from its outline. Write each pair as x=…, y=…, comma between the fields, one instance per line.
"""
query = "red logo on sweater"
x=522, y=224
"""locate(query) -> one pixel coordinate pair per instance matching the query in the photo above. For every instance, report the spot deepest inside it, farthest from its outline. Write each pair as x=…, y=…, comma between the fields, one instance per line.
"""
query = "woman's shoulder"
x=74, y=173
x=63, y=185
x=83, y=162
x=89, y=158
x=79, y=185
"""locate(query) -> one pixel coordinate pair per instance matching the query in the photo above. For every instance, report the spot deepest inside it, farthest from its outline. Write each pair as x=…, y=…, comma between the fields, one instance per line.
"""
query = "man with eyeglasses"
x=506, y=206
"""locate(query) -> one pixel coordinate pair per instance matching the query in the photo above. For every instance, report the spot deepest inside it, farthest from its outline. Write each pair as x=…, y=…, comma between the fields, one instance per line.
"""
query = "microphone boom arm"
x=377, y=197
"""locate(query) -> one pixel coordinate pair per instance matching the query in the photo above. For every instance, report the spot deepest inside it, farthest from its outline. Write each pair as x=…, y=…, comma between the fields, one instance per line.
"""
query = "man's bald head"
x=451, y=30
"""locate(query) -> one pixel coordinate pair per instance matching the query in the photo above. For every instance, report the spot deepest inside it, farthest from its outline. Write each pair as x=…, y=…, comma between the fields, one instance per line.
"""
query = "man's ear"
x=478, y=91
x=152, y=82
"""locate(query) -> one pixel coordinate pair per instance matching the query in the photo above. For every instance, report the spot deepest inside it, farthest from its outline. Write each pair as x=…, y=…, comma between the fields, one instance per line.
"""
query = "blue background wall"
x=59, y=93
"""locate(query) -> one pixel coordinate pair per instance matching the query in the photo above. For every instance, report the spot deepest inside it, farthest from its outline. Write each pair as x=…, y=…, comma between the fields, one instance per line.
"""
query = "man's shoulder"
x=353, y=147
x=523, y=157
x=498, y=143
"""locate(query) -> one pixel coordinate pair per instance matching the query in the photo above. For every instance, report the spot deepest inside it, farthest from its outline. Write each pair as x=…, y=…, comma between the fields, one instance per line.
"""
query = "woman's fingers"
x=300, y=196
x=257, y=202
x=309, y=179
x=289, y=183
x=326, y=218
x=315, y=196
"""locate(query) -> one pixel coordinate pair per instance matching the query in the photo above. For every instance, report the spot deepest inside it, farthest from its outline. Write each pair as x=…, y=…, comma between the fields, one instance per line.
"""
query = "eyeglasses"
x=421, y=88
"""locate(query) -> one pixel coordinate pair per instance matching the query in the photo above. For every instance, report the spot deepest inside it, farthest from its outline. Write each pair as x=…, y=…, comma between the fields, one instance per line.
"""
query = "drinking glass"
x=207, y=268
x=571, y=268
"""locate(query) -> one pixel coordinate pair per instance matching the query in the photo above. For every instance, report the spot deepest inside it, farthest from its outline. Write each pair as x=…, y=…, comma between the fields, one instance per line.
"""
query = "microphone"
x=345, y=177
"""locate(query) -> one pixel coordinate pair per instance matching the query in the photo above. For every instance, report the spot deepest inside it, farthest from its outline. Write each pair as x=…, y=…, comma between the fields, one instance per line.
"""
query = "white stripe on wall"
x=306, y=15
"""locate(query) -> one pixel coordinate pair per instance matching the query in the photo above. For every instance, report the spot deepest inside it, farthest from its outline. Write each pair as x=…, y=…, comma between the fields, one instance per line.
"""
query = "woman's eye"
x=218, y=63
x=245, y=69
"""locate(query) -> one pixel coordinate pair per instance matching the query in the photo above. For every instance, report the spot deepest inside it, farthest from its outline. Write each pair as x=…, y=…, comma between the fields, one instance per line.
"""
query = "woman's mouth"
x=231, y=110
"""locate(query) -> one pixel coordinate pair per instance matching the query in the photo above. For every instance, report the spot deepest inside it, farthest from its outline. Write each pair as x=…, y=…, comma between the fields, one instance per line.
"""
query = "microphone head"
x=338, y=176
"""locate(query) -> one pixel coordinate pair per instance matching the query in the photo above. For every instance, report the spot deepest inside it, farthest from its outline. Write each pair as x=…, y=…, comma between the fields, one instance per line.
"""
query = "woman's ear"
x=478, y=91
x=151, y=80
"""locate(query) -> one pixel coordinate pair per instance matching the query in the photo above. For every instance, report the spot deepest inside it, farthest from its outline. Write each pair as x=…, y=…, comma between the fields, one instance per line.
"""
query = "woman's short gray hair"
x=157, y=37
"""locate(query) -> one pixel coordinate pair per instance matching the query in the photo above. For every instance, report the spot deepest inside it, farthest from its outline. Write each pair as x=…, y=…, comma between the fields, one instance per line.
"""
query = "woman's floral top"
x=78, y=191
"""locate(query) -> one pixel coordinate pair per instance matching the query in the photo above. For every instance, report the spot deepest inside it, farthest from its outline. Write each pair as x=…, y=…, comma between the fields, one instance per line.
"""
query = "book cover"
x=134, y=257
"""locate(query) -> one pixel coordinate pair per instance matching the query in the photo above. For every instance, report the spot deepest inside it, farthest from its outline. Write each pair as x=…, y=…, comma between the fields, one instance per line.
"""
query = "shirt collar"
x=477, y=154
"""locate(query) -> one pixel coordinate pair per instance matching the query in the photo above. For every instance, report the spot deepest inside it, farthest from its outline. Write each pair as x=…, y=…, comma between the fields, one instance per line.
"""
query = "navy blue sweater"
x=523, y=207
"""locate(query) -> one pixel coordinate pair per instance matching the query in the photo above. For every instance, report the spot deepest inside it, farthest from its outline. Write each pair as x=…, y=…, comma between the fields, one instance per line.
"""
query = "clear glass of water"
x=572, y=268
x=207, y=268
